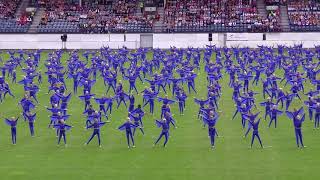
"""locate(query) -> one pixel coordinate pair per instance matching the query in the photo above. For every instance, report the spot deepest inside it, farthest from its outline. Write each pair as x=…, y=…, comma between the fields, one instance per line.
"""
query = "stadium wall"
x=74, y=41
x=132, y=41
x=272, y=39
x=183, y=40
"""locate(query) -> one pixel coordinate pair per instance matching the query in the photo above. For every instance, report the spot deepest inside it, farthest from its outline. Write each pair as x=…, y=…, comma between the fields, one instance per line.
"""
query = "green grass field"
x=187, y=156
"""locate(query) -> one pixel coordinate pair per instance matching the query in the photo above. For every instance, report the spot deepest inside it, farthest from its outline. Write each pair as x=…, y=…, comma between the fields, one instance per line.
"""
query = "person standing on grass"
x=96, y=131
x=31, y=118
x=251, y=118
x=101, y=102
x=127, y=126
x=297, y=119
x=150, y=100
x=137, y=115
x=64, y=101
x=26, y=103
x=138, y=111
x=255, y=133
x=267, y=104
x=12, y=122
x=165, y=131
x=131, y=102
x=181, y=98
x=86, y=98
x=310, y=104
x=211, y=120
x=62, y=128
x=202, y=102
x=14, y=76
x=316, y=108
x=273, y=114
x=132, y=81
x=75, y=76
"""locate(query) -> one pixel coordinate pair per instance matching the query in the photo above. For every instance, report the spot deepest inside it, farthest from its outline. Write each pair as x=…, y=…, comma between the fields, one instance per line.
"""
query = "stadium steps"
x=138, y=10
x=157, y=27
x=36, y=21
x=261, y=6
x=22, y=8
x=161, y=13
x=284, y=18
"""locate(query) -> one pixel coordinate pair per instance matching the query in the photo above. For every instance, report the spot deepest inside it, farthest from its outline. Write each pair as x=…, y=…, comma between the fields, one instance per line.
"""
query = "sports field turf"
x=187, y=156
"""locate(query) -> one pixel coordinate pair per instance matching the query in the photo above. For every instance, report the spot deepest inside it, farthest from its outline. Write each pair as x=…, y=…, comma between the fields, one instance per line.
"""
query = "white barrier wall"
x=132, y=41
x=75, y=41
x=183, y=40
x=253, y=40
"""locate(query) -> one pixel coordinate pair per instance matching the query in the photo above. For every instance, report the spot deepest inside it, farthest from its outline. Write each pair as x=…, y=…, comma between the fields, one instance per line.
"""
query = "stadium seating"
x=304, y=15
x=10, y=23
x=273, y=14
x=7, y=18
x=214, y=15
x=118, y=16
x=12, y=26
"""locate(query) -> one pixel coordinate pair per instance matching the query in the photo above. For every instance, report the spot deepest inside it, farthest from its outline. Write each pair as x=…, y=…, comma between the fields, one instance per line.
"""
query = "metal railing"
x=182, y=29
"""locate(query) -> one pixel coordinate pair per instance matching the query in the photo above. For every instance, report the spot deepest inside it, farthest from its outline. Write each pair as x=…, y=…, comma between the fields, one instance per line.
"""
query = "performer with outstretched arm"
x=12, y=122
x=127, y=126
x=96, y=131
x=165, y=131
x=298, y=118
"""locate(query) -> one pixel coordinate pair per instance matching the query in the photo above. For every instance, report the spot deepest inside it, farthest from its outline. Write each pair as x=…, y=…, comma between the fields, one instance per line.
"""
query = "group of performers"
x=168, y=71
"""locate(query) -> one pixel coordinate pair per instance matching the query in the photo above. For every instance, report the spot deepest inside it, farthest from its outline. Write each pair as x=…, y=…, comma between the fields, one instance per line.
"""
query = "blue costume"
x=62, y=128
x=165, y=131
x=127, y=126
x=297, y=122
x=96, y=131
x=255, y=133
x=13, y=124
x=31, y=119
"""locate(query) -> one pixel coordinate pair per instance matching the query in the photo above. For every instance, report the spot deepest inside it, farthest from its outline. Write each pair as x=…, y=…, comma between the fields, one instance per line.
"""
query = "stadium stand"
x=216, y=16
x=137, y=16
x=116, y=16
x=304, y=15
x=273, y=14
x=8, y=20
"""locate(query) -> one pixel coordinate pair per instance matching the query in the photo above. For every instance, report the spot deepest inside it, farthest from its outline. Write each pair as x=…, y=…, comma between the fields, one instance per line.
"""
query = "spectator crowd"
x=119, y=16
x=198, y=14
x=104, y=16
x=304, y=12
